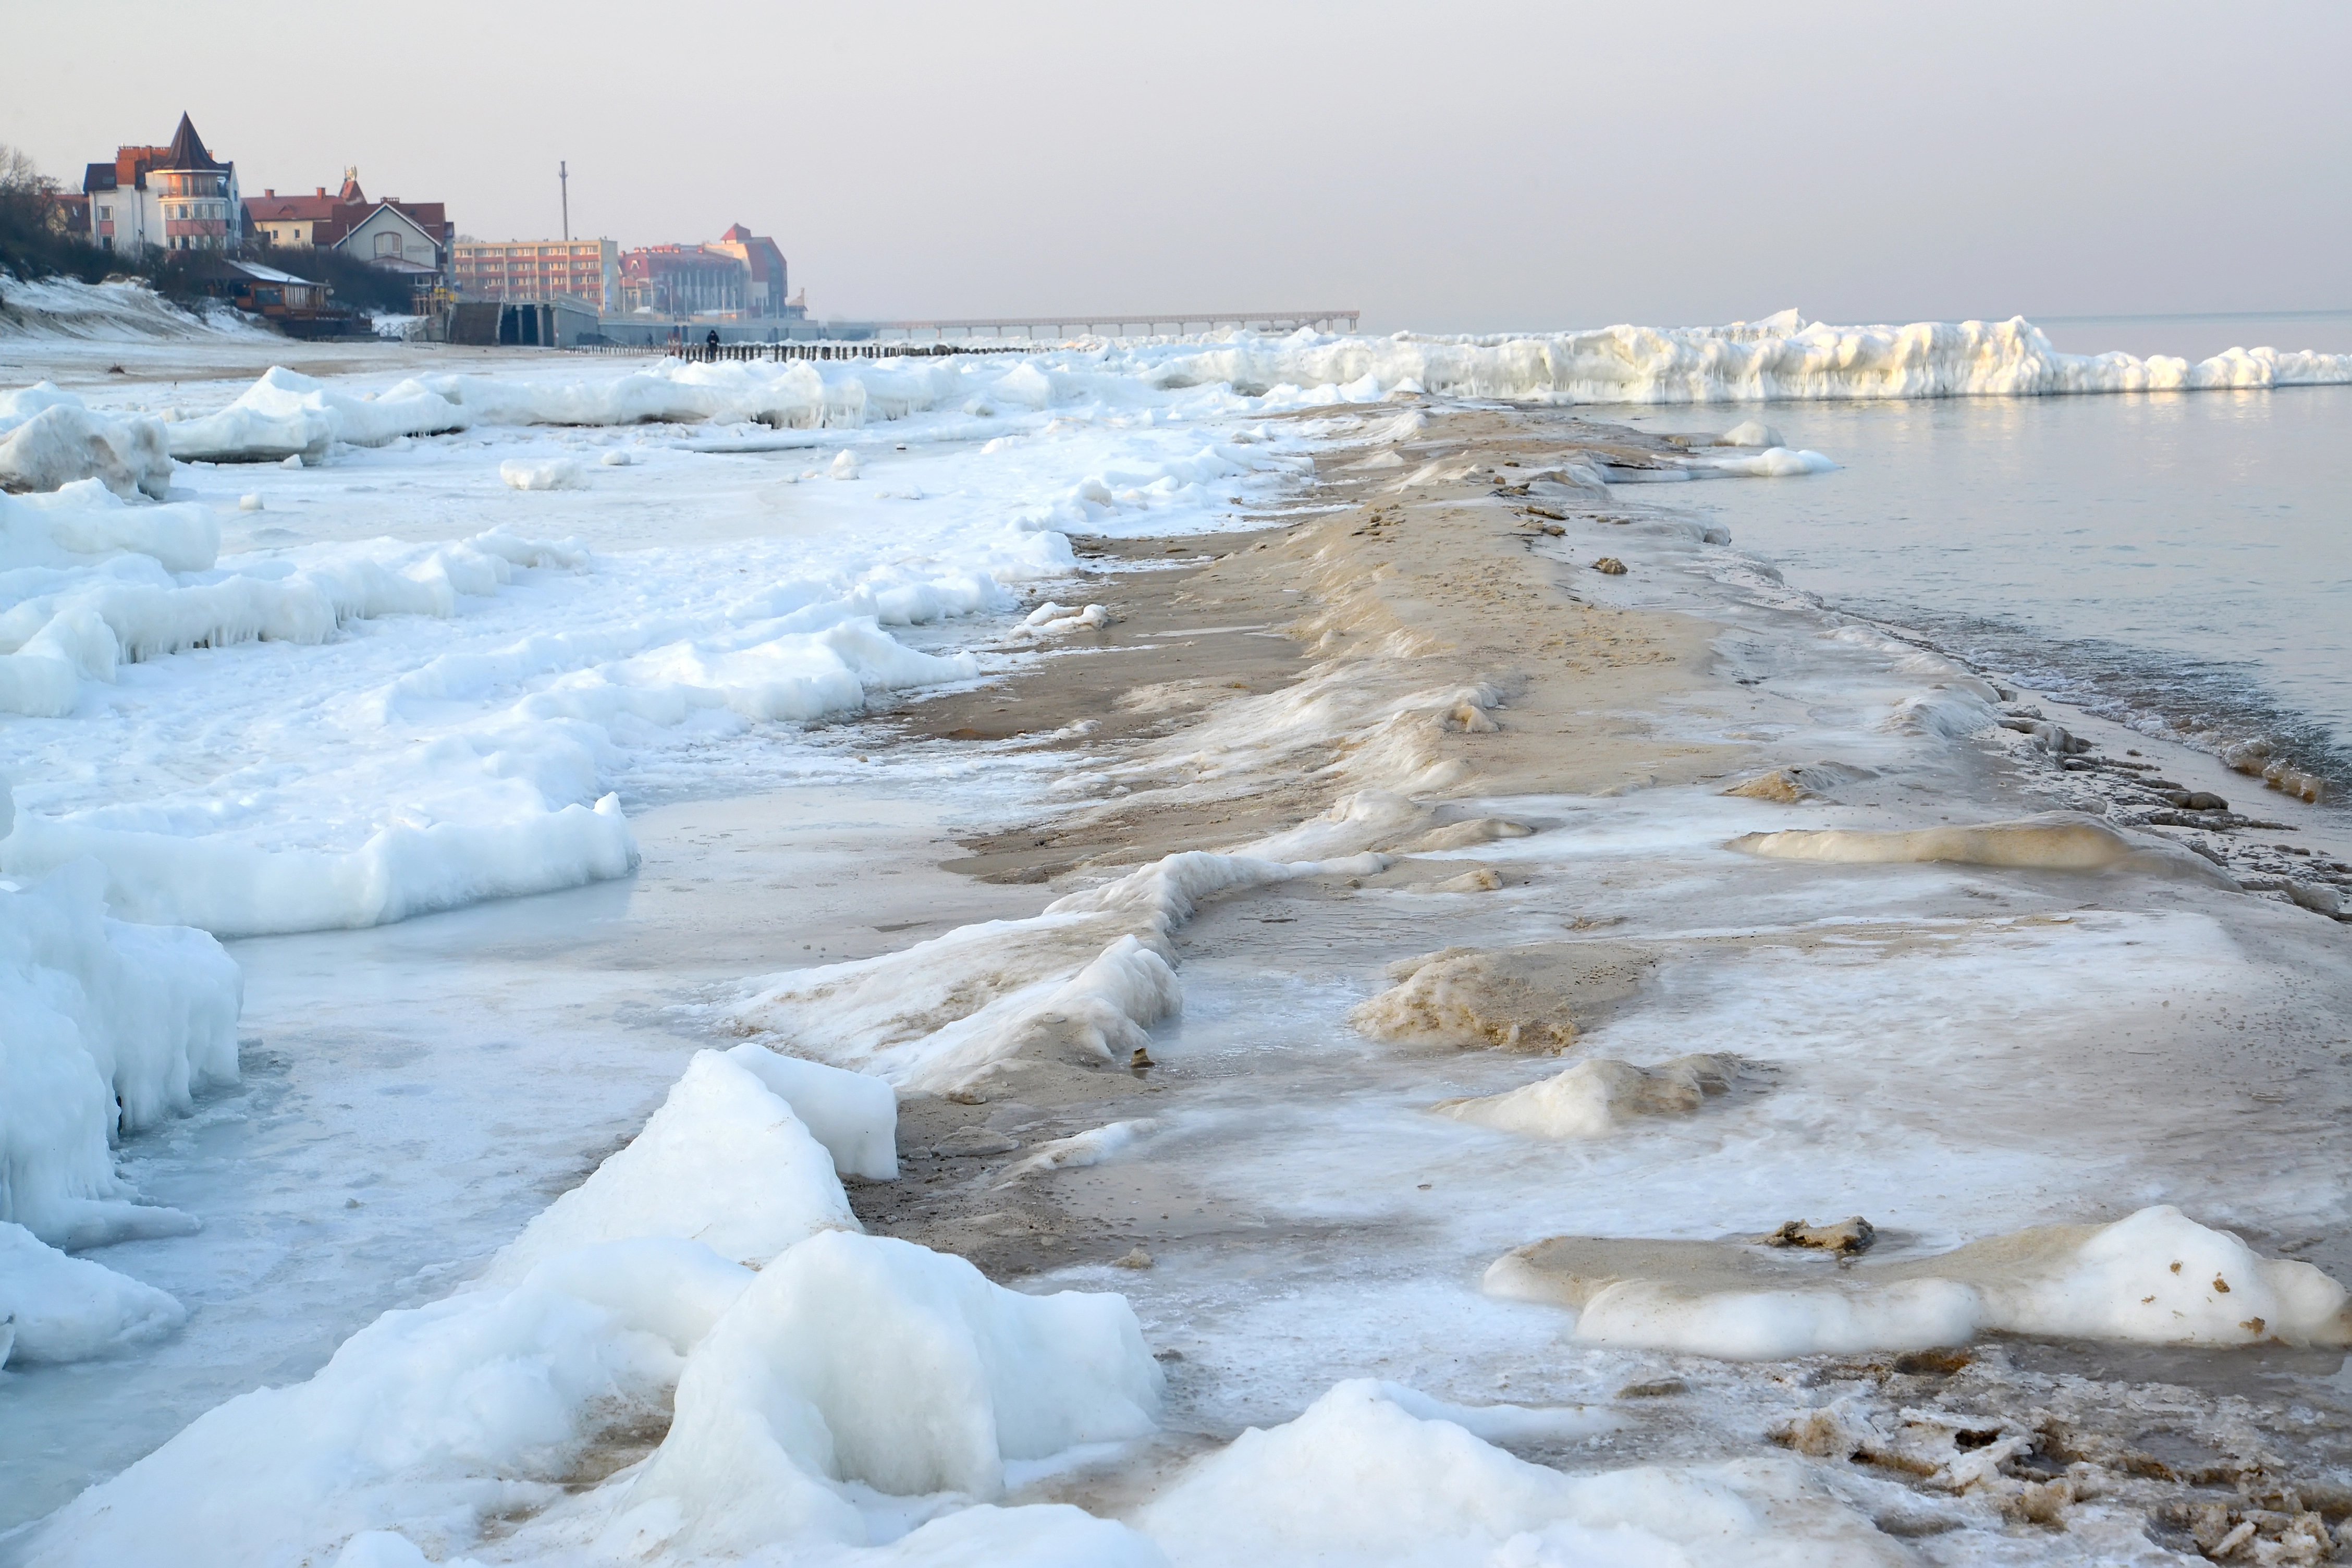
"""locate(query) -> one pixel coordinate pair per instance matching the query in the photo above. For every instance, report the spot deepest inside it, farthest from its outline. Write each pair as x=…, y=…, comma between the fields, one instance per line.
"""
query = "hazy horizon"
x=1509, y=167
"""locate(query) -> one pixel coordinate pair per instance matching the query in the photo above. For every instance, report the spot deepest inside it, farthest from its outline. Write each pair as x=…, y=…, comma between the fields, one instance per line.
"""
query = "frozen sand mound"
x=1375, y=1474
x=49, y=437
x=2156, y=1277
x=1520, y=998
x=105, y=1028
x=1593, y=1098
x=2054, y=841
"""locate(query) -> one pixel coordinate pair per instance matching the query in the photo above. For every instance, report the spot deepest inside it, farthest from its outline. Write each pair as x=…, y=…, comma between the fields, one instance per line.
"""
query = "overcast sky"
x=1452, y=167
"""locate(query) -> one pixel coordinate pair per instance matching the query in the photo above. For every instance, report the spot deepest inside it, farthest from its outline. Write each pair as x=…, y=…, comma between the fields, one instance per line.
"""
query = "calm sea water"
x=2182, y=562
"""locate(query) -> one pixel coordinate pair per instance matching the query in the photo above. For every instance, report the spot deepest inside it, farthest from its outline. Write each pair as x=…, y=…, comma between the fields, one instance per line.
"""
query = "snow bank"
x=54, y=1308
x=1081, y=984
x=49, y=437
x=869, y=1360
x=724, y=1162
x=1364, y=1478
x=68, y=308
x=2156, y=1277
x=2054, y=841
x=105, y=1028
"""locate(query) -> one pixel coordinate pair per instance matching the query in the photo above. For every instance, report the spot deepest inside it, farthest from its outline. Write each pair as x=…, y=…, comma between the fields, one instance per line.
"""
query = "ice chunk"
x=855, y=1115
x=1088, y=1148
x=724, y=1162
x=54, y=1308
x=286, y=415
x=1050, y=619
x=105, y=1026
x=2156, y=1277
x=561, y=474
x=866, y=1359
x=49, y=438
x=844, y=464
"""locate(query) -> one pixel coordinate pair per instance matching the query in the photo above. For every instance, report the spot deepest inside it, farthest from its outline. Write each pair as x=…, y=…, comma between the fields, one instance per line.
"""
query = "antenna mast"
x=564, y=178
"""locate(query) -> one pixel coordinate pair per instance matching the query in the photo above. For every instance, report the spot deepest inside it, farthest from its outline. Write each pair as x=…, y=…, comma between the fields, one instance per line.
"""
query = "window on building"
x=387, y=245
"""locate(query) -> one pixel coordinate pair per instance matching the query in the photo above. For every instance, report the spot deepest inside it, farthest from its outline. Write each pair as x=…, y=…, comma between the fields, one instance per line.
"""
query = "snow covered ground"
x=395, y=645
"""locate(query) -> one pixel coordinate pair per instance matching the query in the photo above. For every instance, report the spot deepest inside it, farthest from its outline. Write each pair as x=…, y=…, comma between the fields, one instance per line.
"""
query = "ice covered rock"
x=865, y=1359
x=844, y=464
x=2156, y=1277
x=1091, y=1147
x=54, y=1308
x=1050, y=619
x=49, y=438
x=1517, y=998
x=105, y=1026
x=724, y=1162
x=1594, y=1098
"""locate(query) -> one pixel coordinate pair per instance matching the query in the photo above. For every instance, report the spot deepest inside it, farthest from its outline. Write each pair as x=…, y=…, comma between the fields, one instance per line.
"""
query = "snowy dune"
x=409, y=675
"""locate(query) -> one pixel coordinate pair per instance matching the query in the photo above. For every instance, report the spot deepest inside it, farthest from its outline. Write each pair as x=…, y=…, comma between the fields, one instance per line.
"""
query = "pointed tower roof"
x=187, y=149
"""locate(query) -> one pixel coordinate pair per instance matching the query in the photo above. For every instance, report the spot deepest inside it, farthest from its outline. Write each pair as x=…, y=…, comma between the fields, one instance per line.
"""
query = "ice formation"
x=724, y=1164
x=54, y=1308
x=105, y=1028
x=795, y=1402
x=1080, y=984
x=1376, y=1474
x=2156, y=1277
x=49, y=438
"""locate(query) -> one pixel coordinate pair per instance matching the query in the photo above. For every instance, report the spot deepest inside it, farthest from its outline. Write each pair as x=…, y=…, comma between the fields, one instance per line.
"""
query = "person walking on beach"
x=713, y=341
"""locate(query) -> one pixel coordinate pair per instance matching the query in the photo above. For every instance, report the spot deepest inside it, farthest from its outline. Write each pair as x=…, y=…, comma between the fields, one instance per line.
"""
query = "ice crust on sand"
x=1593, y=1098
x=1374, y=1474
x=105, y=1028
x=724, y=1162
x=2054, y=841
x=49, y=437
x=1515, y=998
x=54, y=1308
x=2156, y=1277
x=1079, y=984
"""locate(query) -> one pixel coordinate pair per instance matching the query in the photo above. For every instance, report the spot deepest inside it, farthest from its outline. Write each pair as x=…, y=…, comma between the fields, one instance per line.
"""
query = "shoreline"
x=1536, y=754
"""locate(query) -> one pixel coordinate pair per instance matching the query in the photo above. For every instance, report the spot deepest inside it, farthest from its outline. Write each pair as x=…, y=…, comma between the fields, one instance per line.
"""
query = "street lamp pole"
x=564, y=178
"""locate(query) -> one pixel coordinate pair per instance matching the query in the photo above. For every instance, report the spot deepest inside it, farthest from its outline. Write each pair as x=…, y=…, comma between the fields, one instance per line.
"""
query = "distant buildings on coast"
x=180, y=197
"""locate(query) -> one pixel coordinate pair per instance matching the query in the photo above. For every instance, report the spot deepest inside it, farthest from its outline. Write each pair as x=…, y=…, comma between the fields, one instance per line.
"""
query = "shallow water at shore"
x=2181, y=563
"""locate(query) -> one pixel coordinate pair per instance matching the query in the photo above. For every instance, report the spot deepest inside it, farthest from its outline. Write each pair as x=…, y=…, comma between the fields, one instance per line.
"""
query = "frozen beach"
x=1163, y=952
